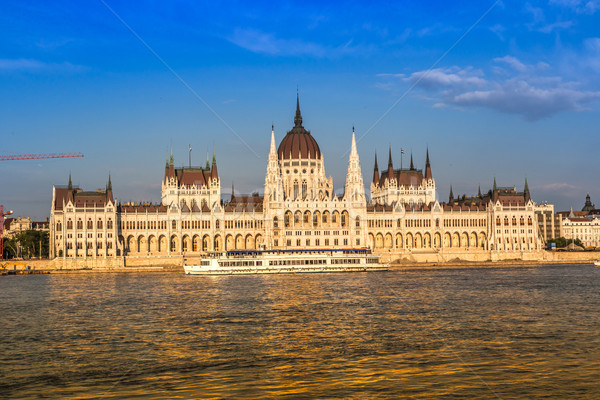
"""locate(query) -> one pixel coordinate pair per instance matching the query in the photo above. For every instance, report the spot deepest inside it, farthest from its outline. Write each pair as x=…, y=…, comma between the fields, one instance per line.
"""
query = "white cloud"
x=519, y=97
x=513, y=62
x=446, y=77
x=522, y=89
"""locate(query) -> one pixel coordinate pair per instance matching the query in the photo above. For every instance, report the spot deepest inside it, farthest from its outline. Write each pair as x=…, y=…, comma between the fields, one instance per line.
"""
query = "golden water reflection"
x=515, y=333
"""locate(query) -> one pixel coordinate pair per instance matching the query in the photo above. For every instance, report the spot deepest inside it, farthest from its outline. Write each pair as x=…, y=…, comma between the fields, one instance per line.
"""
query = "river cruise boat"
x=286, y=261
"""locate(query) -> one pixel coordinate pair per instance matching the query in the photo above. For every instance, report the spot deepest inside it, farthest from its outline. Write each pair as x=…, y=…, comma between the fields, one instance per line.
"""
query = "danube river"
x=509, y=333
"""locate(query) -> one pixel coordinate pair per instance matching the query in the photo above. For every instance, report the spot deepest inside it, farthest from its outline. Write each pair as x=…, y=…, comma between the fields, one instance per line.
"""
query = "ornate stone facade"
x=299, y=209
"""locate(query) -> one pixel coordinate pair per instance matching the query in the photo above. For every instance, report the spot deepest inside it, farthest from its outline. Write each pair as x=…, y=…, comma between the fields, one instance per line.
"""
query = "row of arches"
x=316, y=219
x=163, y=244
x=388, y=241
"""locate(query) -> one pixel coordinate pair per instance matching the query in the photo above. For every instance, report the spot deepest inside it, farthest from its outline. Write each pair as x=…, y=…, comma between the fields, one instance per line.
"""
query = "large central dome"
x=298, y=143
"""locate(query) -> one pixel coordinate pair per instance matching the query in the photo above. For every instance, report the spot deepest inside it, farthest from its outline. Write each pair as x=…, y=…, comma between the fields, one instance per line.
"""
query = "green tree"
x=30, y=244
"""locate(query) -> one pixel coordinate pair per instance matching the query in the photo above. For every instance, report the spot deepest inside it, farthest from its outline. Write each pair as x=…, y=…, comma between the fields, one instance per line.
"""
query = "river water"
x=509, y=333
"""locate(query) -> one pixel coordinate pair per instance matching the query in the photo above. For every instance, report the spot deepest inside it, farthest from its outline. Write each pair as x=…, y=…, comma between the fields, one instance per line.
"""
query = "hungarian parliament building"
x=299, y=209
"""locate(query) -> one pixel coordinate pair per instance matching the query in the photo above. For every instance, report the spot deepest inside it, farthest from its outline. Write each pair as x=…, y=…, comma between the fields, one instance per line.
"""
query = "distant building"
x=583, y=225
x=299, y=209
x=14, y=226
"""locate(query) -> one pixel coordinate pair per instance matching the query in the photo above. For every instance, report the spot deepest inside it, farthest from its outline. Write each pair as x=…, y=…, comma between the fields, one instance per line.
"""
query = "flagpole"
x=190, y=155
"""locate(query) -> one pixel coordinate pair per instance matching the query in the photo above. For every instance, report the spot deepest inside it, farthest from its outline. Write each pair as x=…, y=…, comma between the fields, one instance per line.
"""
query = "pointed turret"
x=479, y=191
x=70, y=185
x=172, y=165
x=167, y=162
x=495, y=187
x=232, y=192
x=273, y=148
x=109, y=194
x=298, y=117
x=354, y=189
x=428, y=174
x=412, y=166
x=376, y=172
x=526, y=193
x=390, y=171
x=451, y=196
x=213, y=173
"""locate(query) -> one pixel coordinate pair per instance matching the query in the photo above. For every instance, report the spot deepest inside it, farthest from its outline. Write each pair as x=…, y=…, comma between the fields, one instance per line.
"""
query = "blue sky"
x=504, y=89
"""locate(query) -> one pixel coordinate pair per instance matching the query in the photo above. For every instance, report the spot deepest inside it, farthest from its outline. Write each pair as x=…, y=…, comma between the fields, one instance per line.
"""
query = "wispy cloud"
x=519, y=90
x=32, y=66
x=267, y=43
x=579, y=6
x=556, y=186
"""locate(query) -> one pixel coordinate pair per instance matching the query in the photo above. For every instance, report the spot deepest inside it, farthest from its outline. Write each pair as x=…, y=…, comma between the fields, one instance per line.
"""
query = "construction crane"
x=17, y=156
x=2, y=215
x=11, y=157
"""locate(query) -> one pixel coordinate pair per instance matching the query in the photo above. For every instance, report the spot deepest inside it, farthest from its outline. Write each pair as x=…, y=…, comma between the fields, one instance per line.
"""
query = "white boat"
x=286, y=261
x=597, y=263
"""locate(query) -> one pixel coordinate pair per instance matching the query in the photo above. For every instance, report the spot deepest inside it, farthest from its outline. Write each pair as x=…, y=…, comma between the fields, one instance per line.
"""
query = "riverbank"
x=483, y=264
x=397, y=261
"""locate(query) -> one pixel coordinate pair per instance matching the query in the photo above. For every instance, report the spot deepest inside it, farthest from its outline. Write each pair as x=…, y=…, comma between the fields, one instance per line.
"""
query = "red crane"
x=10, y=157
x=16, y=156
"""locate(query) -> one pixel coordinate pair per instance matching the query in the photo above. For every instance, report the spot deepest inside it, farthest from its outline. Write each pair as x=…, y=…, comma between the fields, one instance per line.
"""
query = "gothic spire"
x=479, y=191
x=390, y=158
x=273, y=149
x=412, y=167
x=451, y=197
x=376, y=171
x=495, y=187
x=109, y=185
x=214, y=160
x=207, y=161
x=172, y=159
x=167, y=163
x=428, y=174
x=298, y=117
x=526, y=191
x=232, y=192
x=70, y=186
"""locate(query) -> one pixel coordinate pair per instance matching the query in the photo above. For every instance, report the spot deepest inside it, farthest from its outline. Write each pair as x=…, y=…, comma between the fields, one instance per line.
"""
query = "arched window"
x=295, y=190
x=174, y=224
x=275, y=222
x=69, y=224
x=99, y=224
x=358, y=222
x=109, y=224
x=304, y=189
x=79, y=224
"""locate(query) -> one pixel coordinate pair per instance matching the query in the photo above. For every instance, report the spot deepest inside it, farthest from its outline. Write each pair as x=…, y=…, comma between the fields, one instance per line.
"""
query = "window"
x=79, y=224
x=275, y=222
x=99, y=224
x=174, y=224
